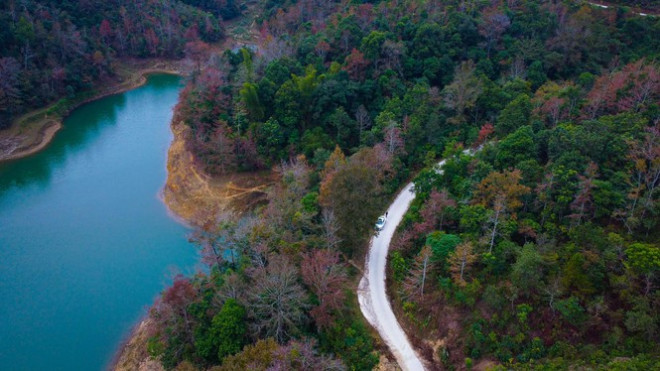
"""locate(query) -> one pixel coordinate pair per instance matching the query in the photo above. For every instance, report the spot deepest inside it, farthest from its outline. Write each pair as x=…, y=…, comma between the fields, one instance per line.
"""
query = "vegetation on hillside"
x=542, y=248
x=55, y=49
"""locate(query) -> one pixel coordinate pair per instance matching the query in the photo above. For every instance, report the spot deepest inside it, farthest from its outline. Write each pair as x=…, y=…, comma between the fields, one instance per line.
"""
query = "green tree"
x=315, y=139
x=575, y=275
x=642, y=319
x=515, y=115
x=271, y=138
x=372, y=44
x=250, y=96
x=353, y=193
x=571, y=310
x=305, y=86
x=345, y=128
x=254, y=357
x=442, y=244
x=516, y=147
x=288, y=107
x=24, y=32
x=352, y=343
x=644, y=259
x=472, y=219
x=536, y=75
x=527, y=271
x=228, y=328
x=247, y=64
x=398, y=265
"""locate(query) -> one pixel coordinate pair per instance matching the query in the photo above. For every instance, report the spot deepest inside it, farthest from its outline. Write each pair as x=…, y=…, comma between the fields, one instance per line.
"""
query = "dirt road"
x=374, y=303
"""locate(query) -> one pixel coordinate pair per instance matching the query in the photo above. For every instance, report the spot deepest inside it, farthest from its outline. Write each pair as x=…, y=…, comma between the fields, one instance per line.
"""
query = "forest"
x=538, y=250
x=51, y=50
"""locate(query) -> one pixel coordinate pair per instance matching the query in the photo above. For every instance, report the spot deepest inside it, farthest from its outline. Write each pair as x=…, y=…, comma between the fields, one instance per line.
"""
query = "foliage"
x=352, y=343
x=54, y=49
x=540, y=244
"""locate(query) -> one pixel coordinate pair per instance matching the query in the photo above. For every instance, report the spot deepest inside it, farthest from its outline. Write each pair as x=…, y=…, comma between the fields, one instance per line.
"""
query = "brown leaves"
x=323, y=273
x=644, y=175
x=336, y=161
x=356, y=65
x=484, y=133
x=418, y=274
x=629, y=89
x=503, y=189
x=433, y=211
x=460, y=261
x=584, y=199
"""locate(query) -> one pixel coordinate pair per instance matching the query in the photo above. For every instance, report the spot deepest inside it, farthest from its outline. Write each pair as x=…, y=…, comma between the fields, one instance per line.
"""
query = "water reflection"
x=86, y=124
x=85, y=245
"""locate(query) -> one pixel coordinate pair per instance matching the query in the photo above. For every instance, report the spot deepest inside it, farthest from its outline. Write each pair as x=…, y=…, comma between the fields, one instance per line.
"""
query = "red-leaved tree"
x=323, y=273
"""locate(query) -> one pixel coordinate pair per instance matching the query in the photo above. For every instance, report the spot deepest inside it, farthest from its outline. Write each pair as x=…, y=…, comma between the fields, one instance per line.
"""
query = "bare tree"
x=644, y=176
x=499, y=210
x=434, y=209
x=552, y=290
x=518, y=68
x=544, y=194
x=416, y=279
x=583, y=201
x=392, y=138
x=233, y=287
x=330, y=228
x=391, y=56
x=298, y=355
x=493, y=24
x=277, y=302
x=10, y=70
x=363, y=119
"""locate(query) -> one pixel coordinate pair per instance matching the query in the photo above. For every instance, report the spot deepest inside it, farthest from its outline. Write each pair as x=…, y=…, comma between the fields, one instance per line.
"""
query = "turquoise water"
x=85, y=243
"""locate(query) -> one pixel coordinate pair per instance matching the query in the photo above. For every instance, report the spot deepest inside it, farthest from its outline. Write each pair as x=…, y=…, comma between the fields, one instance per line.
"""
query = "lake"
x=85, y=242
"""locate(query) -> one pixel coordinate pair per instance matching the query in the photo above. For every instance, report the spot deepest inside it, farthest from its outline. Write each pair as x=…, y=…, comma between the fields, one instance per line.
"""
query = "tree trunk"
x=494, y=231
x=426, y=260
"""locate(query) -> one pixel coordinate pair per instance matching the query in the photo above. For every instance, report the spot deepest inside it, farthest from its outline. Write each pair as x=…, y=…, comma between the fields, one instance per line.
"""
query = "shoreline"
x=131, y=354
x=46, y=134
x=191, y=198
x=199, y=191
x=195, y=198
x=30, y=133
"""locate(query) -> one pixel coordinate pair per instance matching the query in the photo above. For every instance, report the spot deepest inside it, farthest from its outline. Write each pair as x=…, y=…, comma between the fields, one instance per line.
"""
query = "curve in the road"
x=372, y=296
x=607, y=6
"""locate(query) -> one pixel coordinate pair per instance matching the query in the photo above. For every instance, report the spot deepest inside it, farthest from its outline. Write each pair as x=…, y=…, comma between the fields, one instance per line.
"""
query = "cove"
x=85, y=243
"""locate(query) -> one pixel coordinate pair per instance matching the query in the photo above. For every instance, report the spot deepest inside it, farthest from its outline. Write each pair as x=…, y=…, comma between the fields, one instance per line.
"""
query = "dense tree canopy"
x=540, y=247
x=54, y=49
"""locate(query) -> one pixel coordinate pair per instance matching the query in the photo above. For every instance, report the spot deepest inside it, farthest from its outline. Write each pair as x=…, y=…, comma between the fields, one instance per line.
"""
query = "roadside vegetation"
x=541, y=249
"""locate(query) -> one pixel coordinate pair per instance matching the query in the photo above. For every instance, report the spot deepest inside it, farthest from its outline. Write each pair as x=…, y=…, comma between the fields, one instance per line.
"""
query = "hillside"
x=56, y=49
x=541, y=250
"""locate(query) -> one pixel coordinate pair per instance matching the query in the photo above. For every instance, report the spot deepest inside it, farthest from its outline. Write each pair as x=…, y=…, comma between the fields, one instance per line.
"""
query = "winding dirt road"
x=608, y=5
x=372, y=296
x=374, y=303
